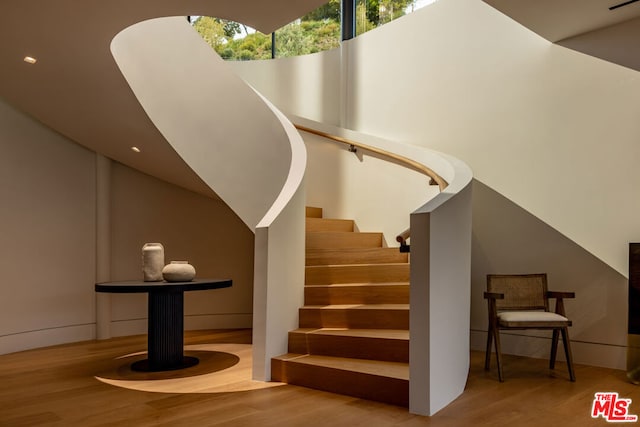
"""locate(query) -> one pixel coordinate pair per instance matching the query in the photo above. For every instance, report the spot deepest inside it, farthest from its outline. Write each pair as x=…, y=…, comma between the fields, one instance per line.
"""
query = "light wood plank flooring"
x=68, y=386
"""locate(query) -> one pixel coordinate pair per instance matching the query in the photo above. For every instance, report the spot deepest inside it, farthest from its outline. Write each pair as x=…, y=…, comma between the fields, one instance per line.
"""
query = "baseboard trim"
x=46, y=337
x=584, y=353
x=28, y=340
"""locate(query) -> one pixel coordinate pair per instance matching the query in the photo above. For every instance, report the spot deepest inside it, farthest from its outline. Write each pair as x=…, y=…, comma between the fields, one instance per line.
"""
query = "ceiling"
x=76, y=88
x=588, y=26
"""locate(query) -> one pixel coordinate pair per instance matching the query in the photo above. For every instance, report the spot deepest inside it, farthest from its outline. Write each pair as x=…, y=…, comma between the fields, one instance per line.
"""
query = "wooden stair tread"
x=397, y=370
x=357, y=293
x=353, y=335
x=359, y=266
x=392, y=334
x=363, y=284
x=357, y=316
x=356, y=273
x=329, y=225
x=372, y=344
x=341, y=256
x=359, y=307
x=342, y=239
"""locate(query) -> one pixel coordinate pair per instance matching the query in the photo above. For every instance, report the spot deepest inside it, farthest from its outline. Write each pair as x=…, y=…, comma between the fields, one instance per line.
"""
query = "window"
x=231, y=40
x=317, y=31
x=371, y=14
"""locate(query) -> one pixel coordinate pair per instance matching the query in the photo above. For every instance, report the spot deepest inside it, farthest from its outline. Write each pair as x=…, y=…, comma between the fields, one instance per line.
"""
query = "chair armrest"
x=559, y=300
x=493, y=295
x=556, y=294
x=491, y=298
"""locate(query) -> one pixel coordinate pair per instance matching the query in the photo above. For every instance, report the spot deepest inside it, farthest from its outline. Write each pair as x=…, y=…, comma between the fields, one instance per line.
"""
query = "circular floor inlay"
x=222, y=368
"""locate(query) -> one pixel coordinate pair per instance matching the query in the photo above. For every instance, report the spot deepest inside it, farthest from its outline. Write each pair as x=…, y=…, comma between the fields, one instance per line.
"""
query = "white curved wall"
x=551, y=131
x=379, y=195
x=241, y=146
x=214, y=121
x=47, y=218
x=308, y=86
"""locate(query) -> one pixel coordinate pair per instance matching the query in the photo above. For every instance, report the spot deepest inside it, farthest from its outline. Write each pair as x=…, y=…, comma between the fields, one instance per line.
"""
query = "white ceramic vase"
x=178, y=271
x=152, y=262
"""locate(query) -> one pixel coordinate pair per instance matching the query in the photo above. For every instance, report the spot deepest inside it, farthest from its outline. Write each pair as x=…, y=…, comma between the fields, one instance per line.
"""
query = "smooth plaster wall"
x=47, y=236
x=191, y=227
x=241, y=146
x=215, y=122
x=377, y=194
x=551, y=130
x=508, y=239
x=308, y=86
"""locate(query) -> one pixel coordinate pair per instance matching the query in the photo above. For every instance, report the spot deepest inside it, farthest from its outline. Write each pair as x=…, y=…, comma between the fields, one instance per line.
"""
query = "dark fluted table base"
x=165, y=344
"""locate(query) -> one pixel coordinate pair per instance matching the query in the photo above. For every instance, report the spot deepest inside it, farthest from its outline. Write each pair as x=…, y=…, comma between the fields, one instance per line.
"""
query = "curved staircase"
x=353, y=335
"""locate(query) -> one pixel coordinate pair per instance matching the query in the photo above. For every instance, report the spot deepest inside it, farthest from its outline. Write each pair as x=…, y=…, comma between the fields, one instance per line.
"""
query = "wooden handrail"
x=434, y=177
x=404, y=236
x=402, y=239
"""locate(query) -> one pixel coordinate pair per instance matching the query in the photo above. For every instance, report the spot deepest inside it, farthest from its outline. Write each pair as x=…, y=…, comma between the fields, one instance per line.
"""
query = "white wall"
x=507, y=238
x=551, y=130
x=214, y=121
x=239, y=145
x=191, y=227
x=308, y=86
x=47, y=229
x=48, y=252
x=280, y=261
x=379, y=195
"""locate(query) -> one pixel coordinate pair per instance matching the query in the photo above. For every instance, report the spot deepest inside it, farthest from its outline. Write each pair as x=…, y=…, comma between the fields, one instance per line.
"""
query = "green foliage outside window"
x=221, y=36
x=317, y=31
x=304, y=37
x=374, y=13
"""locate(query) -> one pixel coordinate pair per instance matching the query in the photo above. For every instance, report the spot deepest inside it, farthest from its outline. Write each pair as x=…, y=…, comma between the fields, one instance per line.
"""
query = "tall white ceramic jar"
x=152, y=262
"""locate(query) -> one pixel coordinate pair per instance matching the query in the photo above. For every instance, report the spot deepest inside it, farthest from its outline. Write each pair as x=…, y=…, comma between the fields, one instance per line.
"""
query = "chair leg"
x=567, y=353
x=554, y=349
x=498, y=355
x=487, y=356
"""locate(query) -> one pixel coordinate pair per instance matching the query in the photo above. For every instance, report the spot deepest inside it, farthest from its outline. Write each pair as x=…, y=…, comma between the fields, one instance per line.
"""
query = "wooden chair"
x=522, y=302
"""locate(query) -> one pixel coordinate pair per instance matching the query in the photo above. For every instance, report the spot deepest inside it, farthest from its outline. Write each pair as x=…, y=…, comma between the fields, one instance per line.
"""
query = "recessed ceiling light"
x=30, y=59
x=136, y=149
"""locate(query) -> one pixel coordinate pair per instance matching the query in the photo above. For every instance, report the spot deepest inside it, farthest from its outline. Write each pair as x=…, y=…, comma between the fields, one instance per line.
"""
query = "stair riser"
x=326, y=239
x=365, y=386
x=349, y=256
x=312, y=212
x=354, y=318
x=325, y=275
x=392, y=350
x=356, y=294
x=325, y=224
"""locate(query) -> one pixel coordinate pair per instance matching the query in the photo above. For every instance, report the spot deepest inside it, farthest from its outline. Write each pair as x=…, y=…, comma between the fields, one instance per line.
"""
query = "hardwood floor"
x=65, y=386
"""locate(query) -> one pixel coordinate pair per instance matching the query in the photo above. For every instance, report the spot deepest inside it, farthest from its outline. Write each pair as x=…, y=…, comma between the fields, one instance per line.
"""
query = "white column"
x=103, y=244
